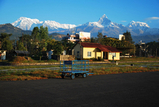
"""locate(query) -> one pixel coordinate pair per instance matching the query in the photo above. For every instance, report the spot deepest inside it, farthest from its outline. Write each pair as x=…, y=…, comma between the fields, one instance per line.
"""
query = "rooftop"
x=100, y=47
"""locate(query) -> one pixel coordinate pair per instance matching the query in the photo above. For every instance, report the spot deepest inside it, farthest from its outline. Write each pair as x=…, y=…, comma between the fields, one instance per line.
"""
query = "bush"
x=100, y=59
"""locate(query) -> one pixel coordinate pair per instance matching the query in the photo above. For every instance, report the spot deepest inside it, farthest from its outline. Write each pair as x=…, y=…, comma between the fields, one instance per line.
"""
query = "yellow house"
x=95, y=50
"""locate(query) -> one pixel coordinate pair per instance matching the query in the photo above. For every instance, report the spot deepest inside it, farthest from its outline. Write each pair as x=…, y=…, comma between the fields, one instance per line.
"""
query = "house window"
x=89, y=54
x=77, y=53
x=113, y=54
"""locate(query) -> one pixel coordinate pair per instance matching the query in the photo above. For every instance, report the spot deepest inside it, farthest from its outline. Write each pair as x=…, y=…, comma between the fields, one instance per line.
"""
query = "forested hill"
x=10, y=29
x=17, y=32
x=57, y=36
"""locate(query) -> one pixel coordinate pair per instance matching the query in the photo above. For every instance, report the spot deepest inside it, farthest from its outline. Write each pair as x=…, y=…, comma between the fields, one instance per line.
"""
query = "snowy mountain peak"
x=28, y=24
x=25, y=19
x=104, y=20
x=104, y=25
x=138, y=25
x=104, y=16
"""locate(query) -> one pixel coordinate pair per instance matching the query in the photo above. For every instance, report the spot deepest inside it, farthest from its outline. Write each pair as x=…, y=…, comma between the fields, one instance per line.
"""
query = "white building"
x=121, y=36
x=79, y=36
x=3, y=55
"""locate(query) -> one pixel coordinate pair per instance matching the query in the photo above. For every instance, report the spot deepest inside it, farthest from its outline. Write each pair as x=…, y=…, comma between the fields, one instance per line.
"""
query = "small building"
x=78, y=36
x=3, y=54
x=95, y=50
x=121, y=37
x=20, y=53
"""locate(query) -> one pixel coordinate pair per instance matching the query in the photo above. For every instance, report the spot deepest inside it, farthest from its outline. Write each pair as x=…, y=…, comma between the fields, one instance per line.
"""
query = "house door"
x=105, y=55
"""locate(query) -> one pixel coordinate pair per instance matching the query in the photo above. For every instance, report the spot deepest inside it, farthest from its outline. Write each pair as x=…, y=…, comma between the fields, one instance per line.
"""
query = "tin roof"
x=21, y=52
x=100, y=47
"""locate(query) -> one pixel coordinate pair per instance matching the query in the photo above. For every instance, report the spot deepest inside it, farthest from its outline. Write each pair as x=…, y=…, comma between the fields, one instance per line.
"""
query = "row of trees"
x=37, y=43
x=147, y=49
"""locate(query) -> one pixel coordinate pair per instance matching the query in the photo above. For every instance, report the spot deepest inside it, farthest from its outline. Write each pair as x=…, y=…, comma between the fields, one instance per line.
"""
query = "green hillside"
x=10, y=29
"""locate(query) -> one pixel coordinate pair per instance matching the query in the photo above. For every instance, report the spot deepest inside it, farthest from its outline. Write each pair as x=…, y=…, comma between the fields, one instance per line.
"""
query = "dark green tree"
x=153, y=48
x=25, y=39
x=128, y=37
x=6, y=43
x=100, y=36
x=20, y=46
x=50, y=44
x=93, y=40
x=58, y=48
x=67, y=45
x=44, y=33
x=35, y=34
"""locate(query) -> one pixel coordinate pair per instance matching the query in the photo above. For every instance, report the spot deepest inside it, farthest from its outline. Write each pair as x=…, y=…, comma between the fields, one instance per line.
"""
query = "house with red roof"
x=84, y=50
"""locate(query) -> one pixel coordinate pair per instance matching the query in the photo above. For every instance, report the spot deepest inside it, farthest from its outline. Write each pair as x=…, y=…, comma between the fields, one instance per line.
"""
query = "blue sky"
x=81, y=11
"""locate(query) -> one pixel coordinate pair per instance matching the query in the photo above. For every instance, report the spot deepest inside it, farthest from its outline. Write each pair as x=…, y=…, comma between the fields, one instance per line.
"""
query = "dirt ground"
x=113, y=90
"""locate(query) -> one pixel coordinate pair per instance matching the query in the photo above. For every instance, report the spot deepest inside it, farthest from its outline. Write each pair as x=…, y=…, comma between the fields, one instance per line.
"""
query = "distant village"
x=73, y=46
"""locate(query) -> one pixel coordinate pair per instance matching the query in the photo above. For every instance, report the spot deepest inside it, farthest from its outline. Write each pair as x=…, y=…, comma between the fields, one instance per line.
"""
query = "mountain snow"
x=55, y=25
x=138, y=25
x=28, y=24
x=104, y=25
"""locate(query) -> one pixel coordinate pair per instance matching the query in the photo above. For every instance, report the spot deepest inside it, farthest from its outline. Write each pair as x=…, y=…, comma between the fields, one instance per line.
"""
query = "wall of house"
x=95, y=53
x=85, y=52
x=76, y=49
x=117, y=57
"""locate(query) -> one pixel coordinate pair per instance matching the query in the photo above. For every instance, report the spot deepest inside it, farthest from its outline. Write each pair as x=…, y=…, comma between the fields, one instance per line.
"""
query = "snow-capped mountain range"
x=28, y=24
x=104, y=25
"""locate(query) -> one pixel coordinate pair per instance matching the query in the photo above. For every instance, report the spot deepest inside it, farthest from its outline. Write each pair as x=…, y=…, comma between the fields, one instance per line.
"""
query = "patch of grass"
x=140, y=59
x=28, y=75
x=29, y=66
x=46, y=74
x=127, y=69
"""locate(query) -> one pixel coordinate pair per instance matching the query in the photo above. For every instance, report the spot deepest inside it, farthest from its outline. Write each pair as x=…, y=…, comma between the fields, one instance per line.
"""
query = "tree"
x=58, y=48
x=20, y=46
x=93, y=40
x=25, y=39
x=67, y=45
x=50, y=44
x=4, y=36
x=7, y=45
x=6, y=42
x=100, y=36
x=153, y=48
x=44, y=33
x=128, y=37
x=35, y=33
x=38, y=44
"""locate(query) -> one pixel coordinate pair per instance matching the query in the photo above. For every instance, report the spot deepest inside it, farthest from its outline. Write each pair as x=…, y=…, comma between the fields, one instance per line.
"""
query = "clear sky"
x=81, y=11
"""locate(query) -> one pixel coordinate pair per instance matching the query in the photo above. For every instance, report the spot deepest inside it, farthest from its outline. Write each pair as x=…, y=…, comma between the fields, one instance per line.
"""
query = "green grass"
x=29, y=66
x=132, y=60
x=140, y=59
x=45, y=74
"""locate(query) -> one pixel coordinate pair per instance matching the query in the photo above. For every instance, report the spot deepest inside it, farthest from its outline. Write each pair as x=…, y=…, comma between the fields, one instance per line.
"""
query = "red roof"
x=99, y=46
